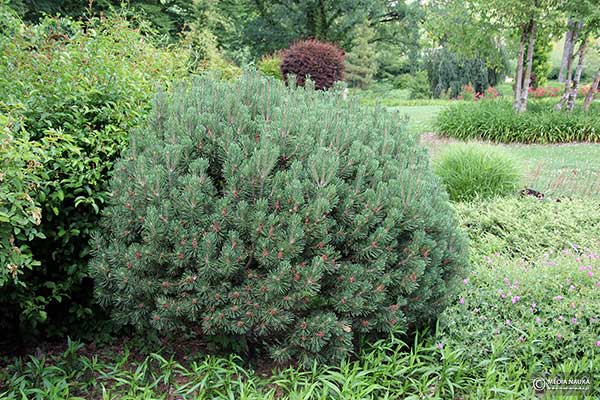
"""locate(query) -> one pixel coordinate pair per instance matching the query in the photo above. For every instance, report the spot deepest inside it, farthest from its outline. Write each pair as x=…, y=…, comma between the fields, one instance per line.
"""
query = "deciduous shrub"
x=271, y=66
x=418, y=86
x=522, y=227
x=279, y=217
x=76, y=89
x=323, y=62
x=495, y=120
x=471, y=171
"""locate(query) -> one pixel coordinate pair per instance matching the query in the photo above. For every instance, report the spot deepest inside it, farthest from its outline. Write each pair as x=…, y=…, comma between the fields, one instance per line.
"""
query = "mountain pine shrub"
x=323, y=62
x=277, y=217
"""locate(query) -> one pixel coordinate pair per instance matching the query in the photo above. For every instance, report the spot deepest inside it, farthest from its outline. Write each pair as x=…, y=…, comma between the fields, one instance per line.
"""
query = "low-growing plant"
x=277, y=218
x=527, y=227
x=546, y=311
x=495, y=120
x=471, y=171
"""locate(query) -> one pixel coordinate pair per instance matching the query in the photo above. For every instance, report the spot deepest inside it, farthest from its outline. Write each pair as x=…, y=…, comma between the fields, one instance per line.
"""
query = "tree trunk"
x=569, y=77
x=527, y=78
x=519, y=73
x=590, y=94
x=577, y=78
x=567, y=49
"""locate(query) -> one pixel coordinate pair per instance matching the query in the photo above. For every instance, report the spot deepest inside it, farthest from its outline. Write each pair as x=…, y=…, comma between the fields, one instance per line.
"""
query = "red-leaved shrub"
x=322, y=62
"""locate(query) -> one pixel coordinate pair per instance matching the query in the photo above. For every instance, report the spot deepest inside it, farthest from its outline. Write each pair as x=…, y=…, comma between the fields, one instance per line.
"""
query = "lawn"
x=569, y=170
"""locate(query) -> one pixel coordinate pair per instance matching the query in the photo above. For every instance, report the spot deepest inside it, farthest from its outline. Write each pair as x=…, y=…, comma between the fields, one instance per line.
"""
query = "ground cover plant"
x=496, y=121
x=268, y=216
x=529, y=227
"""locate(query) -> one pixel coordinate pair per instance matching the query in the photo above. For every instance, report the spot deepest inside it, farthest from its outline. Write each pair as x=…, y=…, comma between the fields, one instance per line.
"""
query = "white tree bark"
x=567, y=49
x=519, y=73
x=577, y=78
x=527, y=78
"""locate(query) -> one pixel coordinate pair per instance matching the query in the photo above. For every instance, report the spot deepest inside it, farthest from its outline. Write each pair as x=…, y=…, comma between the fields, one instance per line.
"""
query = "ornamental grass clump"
x=472, y=171
x=282, y=219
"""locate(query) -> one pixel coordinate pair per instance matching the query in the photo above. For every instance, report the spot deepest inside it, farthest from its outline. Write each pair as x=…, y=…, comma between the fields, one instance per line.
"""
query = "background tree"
x=168, y=17
x=361, y=61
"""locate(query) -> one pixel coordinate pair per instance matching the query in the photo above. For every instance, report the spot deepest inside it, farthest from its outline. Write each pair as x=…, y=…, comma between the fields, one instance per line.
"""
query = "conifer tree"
x=281, y=217
x=361, y=61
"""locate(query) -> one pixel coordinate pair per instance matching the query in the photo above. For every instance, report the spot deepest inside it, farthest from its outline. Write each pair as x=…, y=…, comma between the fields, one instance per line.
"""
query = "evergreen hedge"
x=275, y=217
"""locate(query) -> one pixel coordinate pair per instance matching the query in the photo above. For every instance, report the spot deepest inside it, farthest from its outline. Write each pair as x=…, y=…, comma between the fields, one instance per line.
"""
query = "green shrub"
x=472, y=171
x=271, y=216
x=20, y=214
x=522, y=227
x=418, y=86
x=543, y=312
x=495, y=120
x=77, y=89
x=271, y=66
x=322, y=62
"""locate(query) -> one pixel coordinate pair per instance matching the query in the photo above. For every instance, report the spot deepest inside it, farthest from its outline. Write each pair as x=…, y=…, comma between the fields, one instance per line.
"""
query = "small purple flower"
x=572, y=287
x=508, y=322
x=538, y=320
x=465, y=281
x=573, y=321
x=558, y=336
x=598, y=343
x=462, y=300
x=515, y=299
x=440, y=346
x=559, y=297
x=590, y=274
x=533, y=305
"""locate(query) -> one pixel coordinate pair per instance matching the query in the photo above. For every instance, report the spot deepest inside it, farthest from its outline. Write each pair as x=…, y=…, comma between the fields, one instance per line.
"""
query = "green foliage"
x=472, y=171
x=528, y=227
x=20, y=215
x=541, y=61
x=322, y=62
x=418, y=86
x=76, y=89
x=448, y=72
x=271, y=66
x=545, y=311
x=278, y=217
x=166, y=17
x=361, y=61
x=496, y=121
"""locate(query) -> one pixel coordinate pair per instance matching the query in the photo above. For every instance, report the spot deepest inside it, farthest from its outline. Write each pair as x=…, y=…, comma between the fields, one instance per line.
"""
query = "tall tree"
x=500, y=20
x=274, y=24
